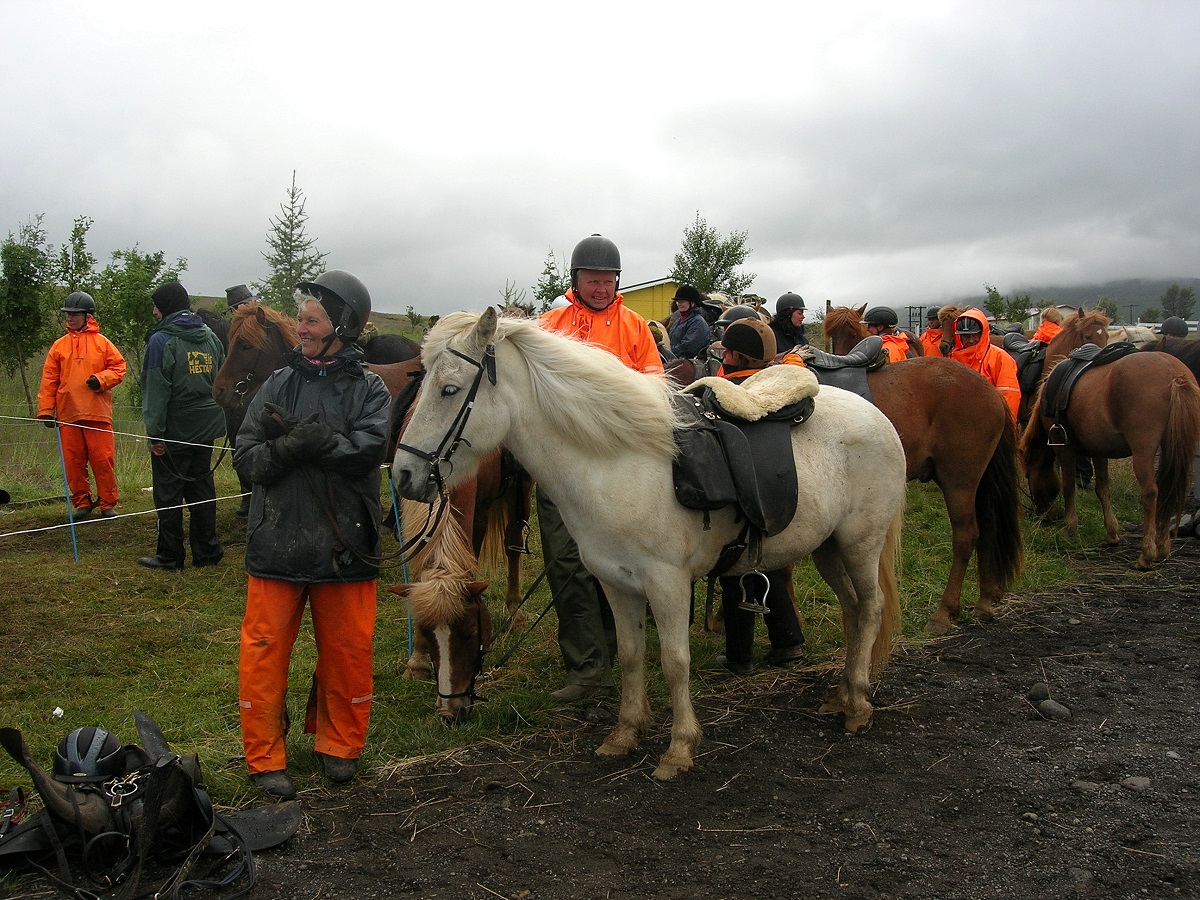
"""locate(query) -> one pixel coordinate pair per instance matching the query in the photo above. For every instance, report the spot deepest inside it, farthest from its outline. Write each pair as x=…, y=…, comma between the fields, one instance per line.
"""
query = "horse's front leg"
x=1065, y=458
x=672, y=610
x=629, y=617
x=419, y=666
x=858, y=593
x=964, y=528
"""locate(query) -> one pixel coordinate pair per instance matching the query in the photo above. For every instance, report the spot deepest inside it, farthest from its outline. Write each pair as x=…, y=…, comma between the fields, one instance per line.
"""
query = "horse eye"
x=449, y=390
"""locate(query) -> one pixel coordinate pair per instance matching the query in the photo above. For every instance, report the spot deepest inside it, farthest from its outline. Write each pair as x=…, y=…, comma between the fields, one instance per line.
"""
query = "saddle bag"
x=700, y=470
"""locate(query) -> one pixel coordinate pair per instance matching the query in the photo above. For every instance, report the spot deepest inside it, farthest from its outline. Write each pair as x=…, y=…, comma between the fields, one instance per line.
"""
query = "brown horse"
x=914, y=343
x=1185, y=350
x=1141, y=405
x=956, y=432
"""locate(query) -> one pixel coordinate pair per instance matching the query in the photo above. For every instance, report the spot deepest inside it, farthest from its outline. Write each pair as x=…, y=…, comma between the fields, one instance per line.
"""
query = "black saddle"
x=1030, y=357
x=849, y=372
x=1057, y=394
x=724, y=460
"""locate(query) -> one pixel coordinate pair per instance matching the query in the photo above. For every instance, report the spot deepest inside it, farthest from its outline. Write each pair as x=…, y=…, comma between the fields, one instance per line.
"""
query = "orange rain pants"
x=91, y=444
x=339, y=706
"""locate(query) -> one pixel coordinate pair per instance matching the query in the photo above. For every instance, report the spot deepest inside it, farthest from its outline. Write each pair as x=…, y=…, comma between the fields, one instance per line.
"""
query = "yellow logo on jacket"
x=199, y=363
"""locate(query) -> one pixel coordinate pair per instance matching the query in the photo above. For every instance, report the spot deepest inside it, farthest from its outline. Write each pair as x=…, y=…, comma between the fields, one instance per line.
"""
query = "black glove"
x=307, y=441
x=93, y=382
x=276, y=421
x=48, y=421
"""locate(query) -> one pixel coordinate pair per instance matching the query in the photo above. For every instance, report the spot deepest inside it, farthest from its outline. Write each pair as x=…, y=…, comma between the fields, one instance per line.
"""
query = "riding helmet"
x=933, y=313
x=881, y=315
x=345, y=299
x=1173, y=326
x=737, y=312
x=788, y=302
x=596, y=253
x=688, y=293
x=237, y=295
x=968, y=325
x=79, y=302
x=753, y=338
x=88, y=754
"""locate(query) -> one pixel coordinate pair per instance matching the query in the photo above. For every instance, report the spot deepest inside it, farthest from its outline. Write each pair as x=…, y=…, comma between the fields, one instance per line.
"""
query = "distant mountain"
x=1133, y=294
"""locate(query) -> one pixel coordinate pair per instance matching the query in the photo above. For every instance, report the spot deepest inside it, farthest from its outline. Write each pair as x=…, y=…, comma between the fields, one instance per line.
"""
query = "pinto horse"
x=1142, y=405
x=957, y=432
x=601, y=439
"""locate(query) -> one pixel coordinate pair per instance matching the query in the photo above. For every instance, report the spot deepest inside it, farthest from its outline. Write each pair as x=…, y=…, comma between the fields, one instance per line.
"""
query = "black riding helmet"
x=753, y=338
x=79, y=302
x=968, y=325
x=1173, y=326
x=933, y=313
x=346, y=301
x=596, y=253
x=788, y=303
x=88, y=754
x=881, y=315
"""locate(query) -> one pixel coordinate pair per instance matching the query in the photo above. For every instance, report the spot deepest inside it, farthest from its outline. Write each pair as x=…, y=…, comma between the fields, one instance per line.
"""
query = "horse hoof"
x=669, y=772
x=612, y=750
x=936, y=627
x=858, y=724
x=985, y=612
x=1143, y=566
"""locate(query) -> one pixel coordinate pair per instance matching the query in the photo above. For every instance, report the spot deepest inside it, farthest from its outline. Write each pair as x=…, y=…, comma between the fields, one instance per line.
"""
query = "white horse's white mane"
x=596, y=401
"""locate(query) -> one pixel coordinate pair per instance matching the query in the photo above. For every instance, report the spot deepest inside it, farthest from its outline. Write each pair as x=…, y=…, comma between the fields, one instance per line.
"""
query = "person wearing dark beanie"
x=171, y=298
x=182, y=421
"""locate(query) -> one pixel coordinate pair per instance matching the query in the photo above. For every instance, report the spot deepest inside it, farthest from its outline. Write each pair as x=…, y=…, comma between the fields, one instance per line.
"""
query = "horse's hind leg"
x=1143, y=470
x=860, y=625
x=672, y=610
x=1065, y=460
x=960, y=507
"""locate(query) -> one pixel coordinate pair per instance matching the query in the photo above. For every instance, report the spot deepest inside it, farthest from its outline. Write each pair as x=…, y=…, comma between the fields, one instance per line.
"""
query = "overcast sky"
x=873, y=152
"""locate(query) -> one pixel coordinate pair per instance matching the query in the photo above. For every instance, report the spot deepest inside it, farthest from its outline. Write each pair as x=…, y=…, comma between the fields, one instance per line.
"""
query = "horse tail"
x=889, y=586
x=492, y=554
x=1178, y=448
x=1000, y=554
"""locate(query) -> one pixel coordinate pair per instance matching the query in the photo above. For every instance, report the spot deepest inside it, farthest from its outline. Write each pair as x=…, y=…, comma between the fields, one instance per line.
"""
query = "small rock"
x=1051, y=709
x=1038, y=693
x=1074, y=621
x=1029, y=816
x=1137, y=783
x=597, y=714
x=1172, y=754
x=1085, y=787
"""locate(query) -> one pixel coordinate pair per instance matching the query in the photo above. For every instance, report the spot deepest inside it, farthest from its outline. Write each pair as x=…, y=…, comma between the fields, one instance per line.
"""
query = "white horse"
x=598, y=437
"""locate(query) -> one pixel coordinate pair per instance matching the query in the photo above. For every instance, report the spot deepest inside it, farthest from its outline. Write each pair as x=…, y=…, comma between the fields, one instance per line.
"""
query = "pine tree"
x=293, y=257
x=706, y=260
x=25, y=273
x=554, y=281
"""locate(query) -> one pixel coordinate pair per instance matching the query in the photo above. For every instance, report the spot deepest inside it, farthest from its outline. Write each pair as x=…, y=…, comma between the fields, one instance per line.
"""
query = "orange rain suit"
x=616, y=328
x=84, y=413
x=896, y=345
x=1046, y=332
x=991, y=362
x=930, y=339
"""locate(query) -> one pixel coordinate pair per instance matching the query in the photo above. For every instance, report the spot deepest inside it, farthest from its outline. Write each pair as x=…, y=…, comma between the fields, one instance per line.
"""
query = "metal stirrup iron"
x=749, y=604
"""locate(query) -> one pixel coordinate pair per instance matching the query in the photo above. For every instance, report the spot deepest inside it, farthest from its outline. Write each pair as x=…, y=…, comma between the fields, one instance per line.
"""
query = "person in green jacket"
x=182, y=421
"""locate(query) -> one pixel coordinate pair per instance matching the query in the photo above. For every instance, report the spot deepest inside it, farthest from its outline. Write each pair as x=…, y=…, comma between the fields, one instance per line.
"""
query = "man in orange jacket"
x=931, y=337
x=594, y=313
x=81, y=369
x=973, y=348
x=882, y=321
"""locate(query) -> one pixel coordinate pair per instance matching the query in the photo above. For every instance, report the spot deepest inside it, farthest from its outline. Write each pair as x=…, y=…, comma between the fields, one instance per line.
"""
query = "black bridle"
x=449, y=443
x=469, y=693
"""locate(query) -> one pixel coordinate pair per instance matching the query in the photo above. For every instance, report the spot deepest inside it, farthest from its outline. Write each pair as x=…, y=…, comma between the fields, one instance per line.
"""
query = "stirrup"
x=1057, y=436
x=754, y=606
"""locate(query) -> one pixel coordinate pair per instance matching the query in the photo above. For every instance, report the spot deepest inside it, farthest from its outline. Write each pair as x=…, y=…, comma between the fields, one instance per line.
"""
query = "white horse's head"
x=452, y=426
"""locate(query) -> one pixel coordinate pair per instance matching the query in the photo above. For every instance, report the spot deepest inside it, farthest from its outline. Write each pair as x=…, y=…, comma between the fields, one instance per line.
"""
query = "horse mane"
x=444, y=563
x=838, y=318
x=250, y=323
x=588, y=395
x=1075, y=325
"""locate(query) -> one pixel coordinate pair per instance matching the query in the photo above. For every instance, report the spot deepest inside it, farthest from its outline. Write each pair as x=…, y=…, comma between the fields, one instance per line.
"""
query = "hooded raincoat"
x=991, y=362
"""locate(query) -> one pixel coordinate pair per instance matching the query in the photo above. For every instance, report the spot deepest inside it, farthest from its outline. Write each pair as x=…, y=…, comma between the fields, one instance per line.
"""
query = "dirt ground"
x=962, y=788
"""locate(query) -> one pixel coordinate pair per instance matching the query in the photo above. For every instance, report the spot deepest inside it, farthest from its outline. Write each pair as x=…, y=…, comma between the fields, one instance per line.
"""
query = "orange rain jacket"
x=617, y=329
x=930, y=339
x=1046, y=332
x=74, y=357
x=896, y=346
x=991, y=362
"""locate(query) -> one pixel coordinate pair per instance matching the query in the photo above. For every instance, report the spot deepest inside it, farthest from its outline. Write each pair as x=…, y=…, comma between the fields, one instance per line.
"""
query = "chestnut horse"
x=957, y=432
x=1142, y=405
x=1185, y=350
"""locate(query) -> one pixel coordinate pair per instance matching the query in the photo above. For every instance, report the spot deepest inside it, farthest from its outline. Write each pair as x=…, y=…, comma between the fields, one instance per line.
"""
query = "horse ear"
x=860, y=310
x=400, y=590
x=484, y=331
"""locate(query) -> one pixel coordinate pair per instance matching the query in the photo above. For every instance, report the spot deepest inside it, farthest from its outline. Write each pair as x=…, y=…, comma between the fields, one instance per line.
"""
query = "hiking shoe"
x=572, y=693
x=338, y=770
x=157, y=562
x=786, y=656
x=201, y=563
x=81, y=513
x=275, y=784
x=737, y=667
x=109, y=513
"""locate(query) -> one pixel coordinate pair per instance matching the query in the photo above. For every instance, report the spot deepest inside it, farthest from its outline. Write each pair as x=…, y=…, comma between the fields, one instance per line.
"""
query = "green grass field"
x=100, y=637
